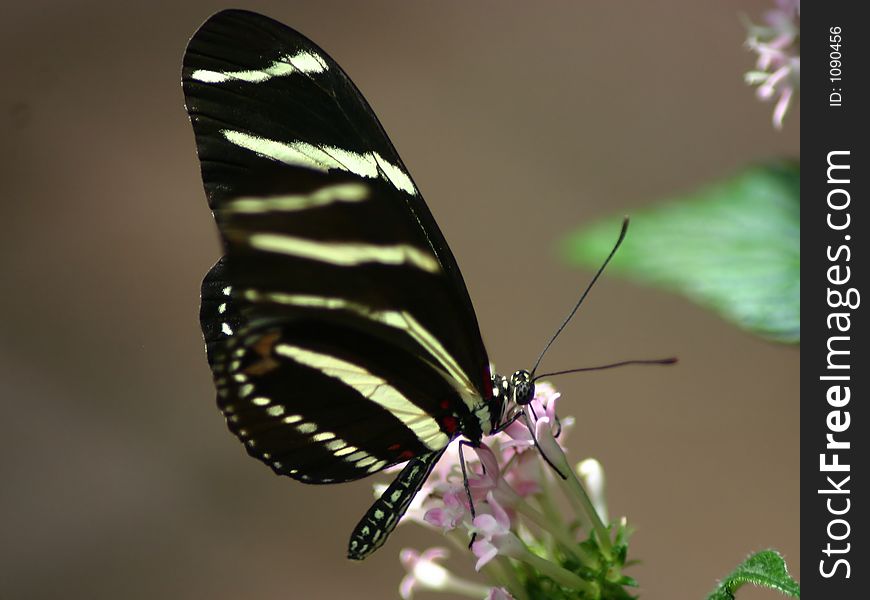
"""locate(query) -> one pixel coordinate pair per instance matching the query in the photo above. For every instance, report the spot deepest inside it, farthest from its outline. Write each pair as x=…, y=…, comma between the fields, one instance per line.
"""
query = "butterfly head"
x=522, y=387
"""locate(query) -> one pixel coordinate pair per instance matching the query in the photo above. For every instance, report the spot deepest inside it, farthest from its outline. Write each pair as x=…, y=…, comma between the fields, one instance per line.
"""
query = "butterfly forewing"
x=338, y=327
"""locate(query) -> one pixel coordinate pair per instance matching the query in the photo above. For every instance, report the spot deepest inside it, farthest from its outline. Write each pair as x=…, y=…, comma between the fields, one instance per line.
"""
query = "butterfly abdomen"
x=374, y=528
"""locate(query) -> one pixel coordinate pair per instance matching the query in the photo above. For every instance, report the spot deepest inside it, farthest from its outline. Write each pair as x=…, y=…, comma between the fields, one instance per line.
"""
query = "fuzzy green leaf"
x=764, y=569
x=733, y=247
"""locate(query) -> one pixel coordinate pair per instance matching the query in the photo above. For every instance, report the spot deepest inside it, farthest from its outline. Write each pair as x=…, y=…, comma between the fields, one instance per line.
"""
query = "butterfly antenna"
x=583, y=296
x=655, y=361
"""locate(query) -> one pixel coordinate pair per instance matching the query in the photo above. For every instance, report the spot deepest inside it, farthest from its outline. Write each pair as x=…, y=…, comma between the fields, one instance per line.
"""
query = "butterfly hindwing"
x=319, y=393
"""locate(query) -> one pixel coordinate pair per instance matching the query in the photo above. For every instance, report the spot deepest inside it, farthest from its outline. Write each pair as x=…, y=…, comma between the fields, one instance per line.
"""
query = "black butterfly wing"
x=317, y=390
x=339, y=330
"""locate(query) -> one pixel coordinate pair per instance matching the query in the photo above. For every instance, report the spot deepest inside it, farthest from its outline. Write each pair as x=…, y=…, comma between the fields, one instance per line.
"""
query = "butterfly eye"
x=523, y=387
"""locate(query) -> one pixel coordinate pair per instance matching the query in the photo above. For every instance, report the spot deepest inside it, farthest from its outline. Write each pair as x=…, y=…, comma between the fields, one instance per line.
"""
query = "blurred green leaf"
x=733, y=247
x=764, y=569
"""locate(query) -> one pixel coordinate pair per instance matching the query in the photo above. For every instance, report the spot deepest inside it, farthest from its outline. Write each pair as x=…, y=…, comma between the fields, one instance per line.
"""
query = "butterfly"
x=338, y=328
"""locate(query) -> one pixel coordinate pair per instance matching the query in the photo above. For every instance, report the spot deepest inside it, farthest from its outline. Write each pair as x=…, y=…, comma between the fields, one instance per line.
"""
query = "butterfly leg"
x=538, y=446
x=507, y=423
x=462, y=444
x=380, y=520
x=558, y=423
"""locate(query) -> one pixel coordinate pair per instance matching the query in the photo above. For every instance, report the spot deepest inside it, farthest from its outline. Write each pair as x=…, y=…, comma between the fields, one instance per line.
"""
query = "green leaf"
x=764, y=569
x=733, y=247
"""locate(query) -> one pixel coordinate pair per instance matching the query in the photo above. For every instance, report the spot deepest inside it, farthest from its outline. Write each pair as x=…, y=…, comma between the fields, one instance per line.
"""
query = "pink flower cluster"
x=502, y=473
x=778, y=66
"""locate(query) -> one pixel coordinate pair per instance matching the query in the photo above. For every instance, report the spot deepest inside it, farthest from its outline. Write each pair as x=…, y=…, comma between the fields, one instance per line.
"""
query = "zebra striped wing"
x=319, y=390
x=338, y=328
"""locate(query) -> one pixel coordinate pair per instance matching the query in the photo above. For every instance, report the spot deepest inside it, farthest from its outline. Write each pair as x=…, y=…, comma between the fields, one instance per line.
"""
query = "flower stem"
x=463, y=587
x=559, y=575
x=556, y=530
x=600, y=529
x=545, y=499
x=555, y=456
x=510, y=577
x=557, y=524
x=545, y=503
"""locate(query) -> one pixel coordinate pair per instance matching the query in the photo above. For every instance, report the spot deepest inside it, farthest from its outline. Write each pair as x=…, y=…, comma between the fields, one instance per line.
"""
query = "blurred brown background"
x=519, y=122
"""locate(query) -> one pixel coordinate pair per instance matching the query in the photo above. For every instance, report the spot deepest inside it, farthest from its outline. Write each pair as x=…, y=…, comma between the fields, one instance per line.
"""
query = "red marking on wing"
x=450, y=424
x=487, y=383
